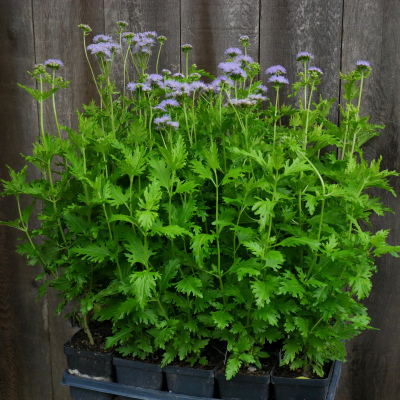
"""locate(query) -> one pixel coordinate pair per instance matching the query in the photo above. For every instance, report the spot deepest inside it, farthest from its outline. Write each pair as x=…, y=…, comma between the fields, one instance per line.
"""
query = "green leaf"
x=190, y=285
x=299, y=241
x=222, y=318
x=203, y=171
x=264, y=290
x=146, y=218
x=94, y=253
x=171, y=231
x=144, y=283
x=232, y=367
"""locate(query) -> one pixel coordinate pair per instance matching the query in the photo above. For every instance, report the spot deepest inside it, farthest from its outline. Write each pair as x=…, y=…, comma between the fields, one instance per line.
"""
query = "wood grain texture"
x=371, y=32
x=25, y=365
x=57, y=36
x=289, y=27
x=211, y=26
x=161, y=16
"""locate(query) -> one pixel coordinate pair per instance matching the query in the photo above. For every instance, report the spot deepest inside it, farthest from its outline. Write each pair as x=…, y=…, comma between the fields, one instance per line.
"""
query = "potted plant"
x=200, y=225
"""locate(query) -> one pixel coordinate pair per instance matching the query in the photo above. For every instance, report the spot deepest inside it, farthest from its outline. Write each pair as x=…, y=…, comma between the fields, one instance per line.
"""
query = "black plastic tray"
x=148, y=394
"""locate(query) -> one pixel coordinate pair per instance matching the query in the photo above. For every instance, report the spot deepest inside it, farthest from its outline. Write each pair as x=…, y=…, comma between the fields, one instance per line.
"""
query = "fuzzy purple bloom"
x=276, y=70
x=244, y=59
x=304, y=56
x=162, y=120
x=154, y=78
x=173, y=124
x=316, y=69
x=243, y=102
x=278, y=79
x=244, y=39
x=166, y=71
x=178, y=75
x=131, y=86
x=104, y=49
x=233, y=52
x=233, y=70
x=102, y=39
x=53, y=63
x=258, y=97
x=262, y=89
x=363, y=64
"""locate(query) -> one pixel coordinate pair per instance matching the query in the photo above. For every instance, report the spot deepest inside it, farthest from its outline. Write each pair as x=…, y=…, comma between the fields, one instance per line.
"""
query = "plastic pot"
x=300, y=389
x=191, y=381
x=244, y=387
x=139, y=374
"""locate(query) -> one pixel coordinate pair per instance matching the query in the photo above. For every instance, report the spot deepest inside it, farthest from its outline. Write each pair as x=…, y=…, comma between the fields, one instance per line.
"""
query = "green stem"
x=158, y=56
x=54, y=105
x=87, y=330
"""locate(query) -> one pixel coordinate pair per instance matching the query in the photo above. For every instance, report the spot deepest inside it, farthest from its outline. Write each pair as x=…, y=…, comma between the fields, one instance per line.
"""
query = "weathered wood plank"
x=25, y=364
x=211, y=26
x=289, y=27
x=371, y=32
x=147, y=15
x=57, y=36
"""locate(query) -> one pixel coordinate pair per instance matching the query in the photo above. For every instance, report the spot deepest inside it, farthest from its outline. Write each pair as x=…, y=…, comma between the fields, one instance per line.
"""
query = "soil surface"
x=266, y=363
x=151, y=359
x=81, y=341
x=286, y=372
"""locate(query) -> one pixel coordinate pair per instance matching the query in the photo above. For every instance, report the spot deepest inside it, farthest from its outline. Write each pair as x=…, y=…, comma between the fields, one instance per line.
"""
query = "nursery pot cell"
x=139, y=374
x=191, y=381
x=300, y=389
x=244, y=387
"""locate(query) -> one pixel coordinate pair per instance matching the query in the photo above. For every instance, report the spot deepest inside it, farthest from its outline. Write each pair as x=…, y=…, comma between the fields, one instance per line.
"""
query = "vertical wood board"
x=290, y=27
x=25, y=370
x=371, y=32
x=212, y=26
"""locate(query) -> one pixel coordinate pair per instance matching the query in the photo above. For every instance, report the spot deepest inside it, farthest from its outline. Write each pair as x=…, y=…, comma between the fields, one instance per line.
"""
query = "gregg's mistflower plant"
x=186, y=213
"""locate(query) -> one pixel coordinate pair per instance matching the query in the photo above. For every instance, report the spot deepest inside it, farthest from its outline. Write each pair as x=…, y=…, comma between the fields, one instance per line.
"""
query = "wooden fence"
x=338, y=32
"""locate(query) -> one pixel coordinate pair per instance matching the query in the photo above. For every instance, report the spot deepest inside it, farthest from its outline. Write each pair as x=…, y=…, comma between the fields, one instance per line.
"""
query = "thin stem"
x=87, y=330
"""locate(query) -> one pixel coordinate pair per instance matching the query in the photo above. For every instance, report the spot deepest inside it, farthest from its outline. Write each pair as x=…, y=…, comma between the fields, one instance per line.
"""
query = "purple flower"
x=150, y=34
x=262, y=89
x=220, y=81
x=244, y=39
x=131, y=86
x=233, y=52
x=363, y=65
x=162, y=120
x=243, y=102
x=154, y=78
x=244, y=59
x=104, y=49
x=85, y=28
x=317, y=70
x=165, y=103
x=173, y=124
x=196, y=86
x=276, y=70
x=258, y=97
x=279, y=79
x=186, y=47
x=233, y=70
x=304, y=56
x=128, y=36
x=195, y=76
x=53, y=63
x=102, y=39
x=166, y=71
x=178, y=75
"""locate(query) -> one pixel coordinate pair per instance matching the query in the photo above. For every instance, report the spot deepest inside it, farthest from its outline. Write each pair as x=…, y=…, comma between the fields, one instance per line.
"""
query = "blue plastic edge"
x=123, y=390
x=148, y=394
x=334, y=381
